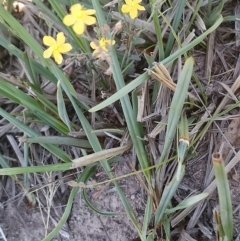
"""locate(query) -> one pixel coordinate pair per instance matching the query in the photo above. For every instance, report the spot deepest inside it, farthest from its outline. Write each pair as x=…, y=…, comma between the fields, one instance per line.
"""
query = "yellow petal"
x=69, y=20
x=93, y=45
x=90, y=11
x=60, y=38
x=113, y=42
x=65, y=48
x=49, y=41
x=137, y=1
x=125, y=8
x=76, y=8
x=79, y=27
x=140, y=8
x=58, y=57
x=108, y=42
x=89, y=20
x=47, y=53
x=133, y=13
x=129, y=2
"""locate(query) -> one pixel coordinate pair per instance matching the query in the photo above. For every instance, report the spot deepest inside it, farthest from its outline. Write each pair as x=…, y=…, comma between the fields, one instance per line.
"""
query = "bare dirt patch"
x=19, y=222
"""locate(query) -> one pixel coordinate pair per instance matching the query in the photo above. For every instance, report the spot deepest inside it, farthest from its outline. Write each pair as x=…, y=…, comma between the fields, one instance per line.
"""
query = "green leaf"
x=167, y=195
x=61, y=107
x=224, y=195
x=187, y=202
x=91, y=206
x=150, y=237
x=35, y=169
x=147, y=216
x=167, y=229
x=177, y=104
x=58, y=140
x=31, y=73
x=179, y=8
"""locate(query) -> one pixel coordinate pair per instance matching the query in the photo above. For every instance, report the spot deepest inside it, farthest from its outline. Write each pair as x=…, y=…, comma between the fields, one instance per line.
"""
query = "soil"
x=19, y=222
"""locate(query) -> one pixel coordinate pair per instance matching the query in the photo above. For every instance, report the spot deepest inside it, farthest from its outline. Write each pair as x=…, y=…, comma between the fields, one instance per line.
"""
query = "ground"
x=20, y=222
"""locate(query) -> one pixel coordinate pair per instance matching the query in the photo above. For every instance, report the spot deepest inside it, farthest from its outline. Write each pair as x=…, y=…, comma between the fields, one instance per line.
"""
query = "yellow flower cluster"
x=79, y=18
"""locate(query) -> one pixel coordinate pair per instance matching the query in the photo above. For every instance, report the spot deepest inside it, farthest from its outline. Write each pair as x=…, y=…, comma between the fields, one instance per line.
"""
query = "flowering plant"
x=56, y=47
x=79, y=17
x=132, y=7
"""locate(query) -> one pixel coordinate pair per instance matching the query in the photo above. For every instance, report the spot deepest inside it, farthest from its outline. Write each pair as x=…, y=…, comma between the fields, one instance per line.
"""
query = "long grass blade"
x=32, y=75
x=57, y=140
x=224, y=195
x=187, y=203
x=177, y=104
x=147, y=216
x=167, y=195
x=178, y=15
x=98, y=156
x=62, y=108
x=48, y=168
x=90, y=205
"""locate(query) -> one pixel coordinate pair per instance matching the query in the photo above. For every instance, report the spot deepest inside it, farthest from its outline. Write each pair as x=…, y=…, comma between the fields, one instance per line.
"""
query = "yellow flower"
x=101, y=47
x=79, y=17
x=132, y=7
x=56, y=47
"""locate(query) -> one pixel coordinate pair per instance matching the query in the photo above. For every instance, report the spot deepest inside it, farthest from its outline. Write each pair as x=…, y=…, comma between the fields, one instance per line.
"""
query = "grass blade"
x=224, y=195
x=57, y=140
x=48, y=168
x=187, y=203
x=177, y=104
x=95, y=144
x=90, y=205
x=32, y=76
x=147, y=216
x=178, y=15
x=167, y=229
x=167, y=195
x=62, y=108
x=98, y=156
